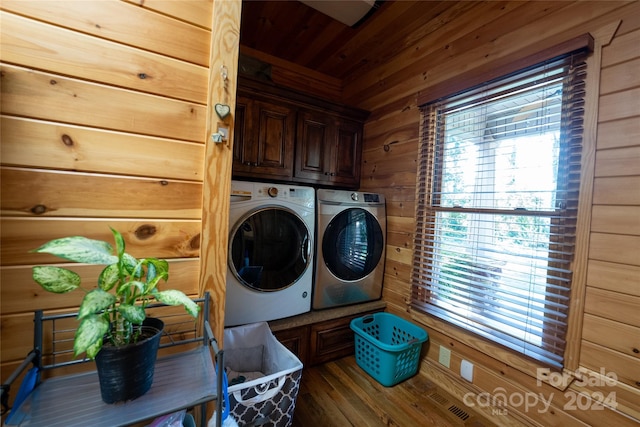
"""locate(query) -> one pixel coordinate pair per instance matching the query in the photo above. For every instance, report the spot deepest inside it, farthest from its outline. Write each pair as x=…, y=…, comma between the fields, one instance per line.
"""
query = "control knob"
x=272, y=192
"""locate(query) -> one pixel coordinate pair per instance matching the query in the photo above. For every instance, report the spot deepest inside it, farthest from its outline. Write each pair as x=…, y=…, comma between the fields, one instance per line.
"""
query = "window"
x=497, y=197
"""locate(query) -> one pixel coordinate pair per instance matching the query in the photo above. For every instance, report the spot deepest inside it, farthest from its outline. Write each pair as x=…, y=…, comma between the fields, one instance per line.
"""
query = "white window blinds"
x=497, y=197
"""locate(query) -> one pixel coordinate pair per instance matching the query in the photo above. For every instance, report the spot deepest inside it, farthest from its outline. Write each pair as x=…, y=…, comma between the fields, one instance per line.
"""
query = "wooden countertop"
x=316, y=316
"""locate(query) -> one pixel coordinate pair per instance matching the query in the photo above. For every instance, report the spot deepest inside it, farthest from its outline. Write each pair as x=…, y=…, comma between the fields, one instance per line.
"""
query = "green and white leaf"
x=55, y=279
x=151, y=272
x=91, y=330
x=80, y=249
x=93, y=350
x=126, y=288
x=95, y=302
x=152, y=284
x=108, y=277
x=133, y=313
x=129, y=263
x=161, y=267
x=137, y=271
x=119, y=242
x=175, y=297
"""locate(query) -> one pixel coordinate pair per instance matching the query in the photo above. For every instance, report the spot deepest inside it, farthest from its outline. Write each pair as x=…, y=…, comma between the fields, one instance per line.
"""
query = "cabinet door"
x=264, y=135
x=348, y=154
x=296, y=340
x=243, y=154
x=314, y=143
x=333, y=339
x=274, y=139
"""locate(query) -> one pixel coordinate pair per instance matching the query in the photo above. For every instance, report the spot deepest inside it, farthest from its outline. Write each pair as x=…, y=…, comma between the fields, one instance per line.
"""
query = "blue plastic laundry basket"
x=387, y=347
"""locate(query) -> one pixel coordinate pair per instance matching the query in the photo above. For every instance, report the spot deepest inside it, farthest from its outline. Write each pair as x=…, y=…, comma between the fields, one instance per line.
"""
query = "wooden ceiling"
x=295, y=32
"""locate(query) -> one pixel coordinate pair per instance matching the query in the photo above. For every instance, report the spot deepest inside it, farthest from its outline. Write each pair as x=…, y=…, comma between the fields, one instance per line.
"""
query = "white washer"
x=271, y=242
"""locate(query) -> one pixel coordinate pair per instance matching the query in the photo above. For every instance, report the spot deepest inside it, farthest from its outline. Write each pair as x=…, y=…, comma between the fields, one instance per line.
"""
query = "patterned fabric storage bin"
x=263, y=375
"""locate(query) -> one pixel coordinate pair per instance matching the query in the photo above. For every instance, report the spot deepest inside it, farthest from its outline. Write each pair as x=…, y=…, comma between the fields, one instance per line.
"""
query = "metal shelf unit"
x=185, y=377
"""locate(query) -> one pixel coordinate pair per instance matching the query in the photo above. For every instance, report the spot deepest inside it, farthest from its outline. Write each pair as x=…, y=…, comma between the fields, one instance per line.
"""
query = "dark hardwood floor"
x=340, y=393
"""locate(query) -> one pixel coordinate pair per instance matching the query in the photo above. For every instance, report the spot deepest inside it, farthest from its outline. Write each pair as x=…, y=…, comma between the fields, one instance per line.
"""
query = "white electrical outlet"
x=466, y=370
x=444, y=357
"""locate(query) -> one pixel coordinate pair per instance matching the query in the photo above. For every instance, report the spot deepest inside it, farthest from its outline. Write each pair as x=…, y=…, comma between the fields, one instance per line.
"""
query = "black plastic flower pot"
x=126, y=372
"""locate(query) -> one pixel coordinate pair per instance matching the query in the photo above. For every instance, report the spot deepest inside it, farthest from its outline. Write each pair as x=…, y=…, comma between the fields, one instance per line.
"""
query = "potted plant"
x=112, y=316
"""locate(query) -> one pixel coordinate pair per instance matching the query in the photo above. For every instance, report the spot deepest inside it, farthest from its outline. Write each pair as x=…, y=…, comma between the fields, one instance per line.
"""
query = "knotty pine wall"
x=105, y=111
x=454, y=44
x=609, y=311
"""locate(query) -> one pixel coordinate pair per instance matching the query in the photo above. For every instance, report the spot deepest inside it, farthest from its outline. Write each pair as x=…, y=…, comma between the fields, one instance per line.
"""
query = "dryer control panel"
x=371, y=198
x=343, y=197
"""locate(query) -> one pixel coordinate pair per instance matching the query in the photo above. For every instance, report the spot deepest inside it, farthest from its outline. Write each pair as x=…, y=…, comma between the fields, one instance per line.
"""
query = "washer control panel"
x=245, y=191
x=272, y=191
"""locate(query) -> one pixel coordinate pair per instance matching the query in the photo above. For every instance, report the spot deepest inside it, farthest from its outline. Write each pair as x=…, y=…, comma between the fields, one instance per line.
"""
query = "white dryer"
x=350, y=248
x=271, y=242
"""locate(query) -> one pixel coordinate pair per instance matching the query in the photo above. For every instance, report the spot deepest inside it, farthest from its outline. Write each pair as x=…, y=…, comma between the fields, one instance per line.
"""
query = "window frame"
x=454, y=85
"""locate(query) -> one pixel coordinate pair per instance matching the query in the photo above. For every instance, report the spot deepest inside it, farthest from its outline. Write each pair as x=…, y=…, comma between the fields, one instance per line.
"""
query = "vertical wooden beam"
x=602, y=37
x=225, y=42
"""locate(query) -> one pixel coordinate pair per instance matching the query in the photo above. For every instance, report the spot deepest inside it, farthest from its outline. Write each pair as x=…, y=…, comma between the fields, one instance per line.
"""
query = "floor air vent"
x=438, y=398
x=460, y=413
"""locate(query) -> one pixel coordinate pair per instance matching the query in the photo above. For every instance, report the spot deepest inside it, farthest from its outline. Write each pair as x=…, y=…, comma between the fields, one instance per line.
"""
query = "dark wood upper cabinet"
x=284, y=135
x=316, y=132
x=347, y=153
x=328, y=149
x=242, y=150
x=264, y=136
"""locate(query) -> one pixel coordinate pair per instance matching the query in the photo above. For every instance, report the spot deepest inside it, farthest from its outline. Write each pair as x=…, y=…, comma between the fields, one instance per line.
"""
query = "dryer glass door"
x=269, y=249
x=352, y=244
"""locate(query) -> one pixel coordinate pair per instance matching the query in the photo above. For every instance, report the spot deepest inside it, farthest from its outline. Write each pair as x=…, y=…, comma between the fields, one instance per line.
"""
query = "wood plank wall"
x=105, y=112
x=477, y=36
x=71, y=117
x=611, y=322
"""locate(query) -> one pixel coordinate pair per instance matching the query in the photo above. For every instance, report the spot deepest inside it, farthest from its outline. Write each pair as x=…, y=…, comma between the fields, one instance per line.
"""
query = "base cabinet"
x=331, y=340
x=296, y=340
x=321, y=342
